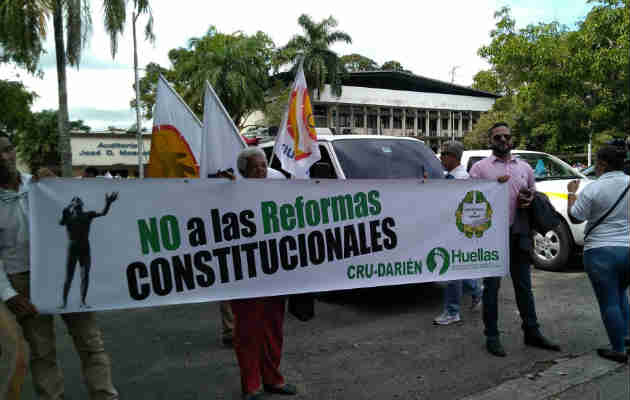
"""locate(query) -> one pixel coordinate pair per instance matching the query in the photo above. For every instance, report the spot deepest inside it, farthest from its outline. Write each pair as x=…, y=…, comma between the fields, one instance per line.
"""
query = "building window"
x=371, y=120
x=409, y=123
x=320, y=116
x=358, y=117
x=384, y=121
x=433, y=127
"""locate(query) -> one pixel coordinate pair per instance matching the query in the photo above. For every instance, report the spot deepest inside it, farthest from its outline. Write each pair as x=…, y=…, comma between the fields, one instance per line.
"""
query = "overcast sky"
x=428, y=37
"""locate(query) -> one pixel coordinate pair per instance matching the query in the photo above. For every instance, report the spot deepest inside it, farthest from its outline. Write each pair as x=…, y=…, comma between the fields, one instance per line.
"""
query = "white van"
x=551, y=251
x=370, y=157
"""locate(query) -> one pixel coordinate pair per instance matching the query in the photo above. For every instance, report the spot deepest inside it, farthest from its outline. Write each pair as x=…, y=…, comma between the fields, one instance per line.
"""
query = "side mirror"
x=322, y=170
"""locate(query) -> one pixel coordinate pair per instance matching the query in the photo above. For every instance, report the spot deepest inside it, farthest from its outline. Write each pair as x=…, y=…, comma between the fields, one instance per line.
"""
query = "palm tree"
x=75, y=15
x=22, y=43
x=236, y=65
x=71, y=17
x=140, y=7
x=320, y=63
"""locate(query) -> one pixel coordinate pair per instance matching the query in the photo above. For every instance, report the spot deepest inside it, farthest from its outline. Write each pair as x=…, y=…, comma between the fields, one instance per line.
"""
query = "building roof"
x=363, y=96
x=399, y=80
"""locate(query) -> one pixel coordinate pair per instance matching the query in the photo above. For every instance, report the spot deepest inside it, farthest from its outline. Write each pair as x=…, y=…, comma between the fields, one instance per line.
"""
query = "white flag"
x=176, y=136
x=296, y=144
x=221, y=140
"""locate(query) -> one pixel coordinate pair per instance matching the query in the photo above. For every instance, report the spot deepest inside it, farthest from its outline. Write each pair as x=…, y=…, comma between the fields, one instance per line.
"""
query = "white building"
x=401, y=104
x=115, y=152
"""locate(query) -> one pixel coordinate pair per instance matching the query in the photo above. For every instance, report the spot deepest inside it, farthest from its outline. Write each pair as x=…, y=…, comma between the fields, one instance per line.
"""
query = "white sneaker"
x=446, y=319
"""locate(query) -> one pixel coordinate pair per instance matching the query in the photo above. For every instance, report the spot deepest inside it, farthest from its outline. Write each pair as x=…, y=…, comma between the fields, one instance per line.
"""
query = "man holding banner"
x=451, y=156
x=505, y=168
x=38, y=329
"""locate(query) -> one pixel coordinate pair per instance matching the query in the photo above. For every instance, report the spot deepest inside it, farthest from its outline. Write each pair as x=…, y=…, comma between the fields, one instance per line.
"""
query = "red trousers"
x=258, y=336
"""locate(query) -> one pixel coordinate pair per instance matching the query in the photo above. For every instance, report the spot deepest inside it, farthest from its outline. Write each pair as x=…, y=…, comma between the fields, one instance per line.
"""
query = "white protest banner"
x=221, y=140
x=296, y=146
x=176, y=137
x=173, y=241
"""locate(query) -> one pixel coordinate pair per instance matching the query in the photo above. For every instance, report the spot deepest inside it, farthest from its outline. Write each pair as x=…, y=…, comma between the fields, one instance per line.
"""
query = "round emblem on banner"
x=474, y=214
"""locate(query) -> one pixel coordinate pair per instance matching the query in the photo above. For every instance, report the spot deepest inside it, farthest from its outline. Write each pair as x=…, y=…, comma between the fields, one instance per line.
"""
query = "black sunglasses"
x=497, y=137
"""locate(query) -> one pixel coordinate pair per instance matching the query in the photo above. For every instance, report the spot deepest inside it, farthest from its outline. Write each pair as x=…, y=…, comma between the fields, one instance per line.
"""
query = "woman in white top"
x=607, y=243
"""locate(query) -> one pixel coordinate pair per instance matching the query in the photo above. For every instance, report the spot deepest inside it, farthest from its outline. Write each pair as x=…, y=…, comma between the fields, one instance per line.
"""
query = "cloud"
x=427, y=37
x=103, y=118
x=89, y=60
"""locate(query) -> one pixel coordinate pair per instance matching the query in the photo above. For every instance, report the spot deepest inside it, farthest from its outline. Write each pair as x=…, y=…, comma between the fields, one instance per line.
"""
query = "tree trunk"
x=65, y=152
x=138, y=125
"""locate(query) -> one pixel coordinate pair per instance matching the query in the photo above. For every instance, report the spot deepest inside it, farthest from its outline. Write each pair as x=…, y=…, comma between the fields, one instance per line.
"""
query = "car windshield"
x=386, y=158
x=548, y=168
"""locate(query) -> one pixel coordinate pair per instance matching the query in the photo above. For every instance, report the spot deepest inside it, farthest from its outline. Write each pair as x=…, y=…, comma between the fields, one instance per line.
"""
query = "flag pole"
x=286, y=112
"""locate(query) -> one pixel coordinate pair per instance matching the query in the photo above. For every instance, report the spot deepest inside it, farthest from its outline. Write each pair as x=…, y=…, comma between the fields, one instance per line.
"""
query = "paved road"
x=370, y=344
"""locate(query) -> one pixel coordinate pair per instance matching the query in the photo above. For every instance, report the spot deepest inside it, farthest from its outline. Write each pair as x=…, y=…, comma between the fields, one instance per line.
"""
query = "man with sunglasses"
x=519, y=176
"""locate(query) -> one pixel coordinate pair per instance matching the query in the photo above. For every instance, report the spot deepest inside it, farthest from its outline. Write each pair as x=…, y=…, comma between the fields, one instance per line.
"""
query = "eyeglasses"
x=499, y=137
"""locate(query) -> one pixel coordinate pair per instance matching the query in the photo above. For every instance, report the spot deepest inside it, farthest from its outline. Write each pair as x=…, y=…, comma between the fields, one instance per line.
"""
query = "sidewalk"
x=587, y=377
x=612, y=386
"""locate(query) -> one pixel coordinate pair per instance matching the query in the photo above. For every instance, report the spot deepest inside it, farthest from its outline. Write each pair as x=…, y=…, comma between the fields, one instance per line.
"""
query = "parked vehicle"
x=255, y=136
x=589, y=172
x=370, y=157
x=552, y=250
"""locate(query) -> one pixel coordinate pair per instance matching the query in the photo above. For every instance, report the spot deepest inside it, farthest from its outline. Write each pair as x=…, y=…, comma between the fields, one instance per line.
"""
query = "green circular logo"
x=438, y=256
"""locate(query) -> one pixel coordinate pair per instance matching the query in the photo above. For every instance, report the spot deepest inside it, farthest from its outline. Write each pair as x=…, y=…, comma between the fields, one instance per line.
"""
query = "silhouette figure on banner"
x=77, y=223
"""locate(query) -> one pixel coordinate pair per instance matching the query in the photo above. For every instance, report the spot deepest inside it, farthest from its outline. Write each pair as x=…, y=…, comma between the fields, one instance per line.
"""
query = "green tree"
x=236, y=65
x=148, y=86
x=393, y=65
x=15, y=103
x=22, y=43
x=356, y=63
x=37, y=143
x=559, y=84
x=488, y=81
x=321, y=64
x=72, y=19
x=276, y=103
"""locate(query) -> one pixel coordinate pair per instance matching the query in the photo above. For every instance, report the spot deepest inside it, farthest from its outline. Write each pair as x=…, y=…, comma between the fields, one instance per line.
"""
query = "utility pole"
x=452, y=117
x=138, y=123
x=452, y=73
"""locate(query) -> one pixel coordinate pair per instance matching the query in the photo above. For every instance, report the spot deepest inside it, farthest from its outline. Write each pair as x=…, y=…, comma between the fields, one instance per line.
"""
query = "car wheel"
x=551, y=251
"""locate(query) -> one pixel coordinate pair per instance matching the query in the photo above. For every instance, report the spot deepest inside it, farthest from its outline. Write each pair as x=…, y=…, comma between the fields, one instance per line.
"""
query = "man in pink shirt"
x=518, y=174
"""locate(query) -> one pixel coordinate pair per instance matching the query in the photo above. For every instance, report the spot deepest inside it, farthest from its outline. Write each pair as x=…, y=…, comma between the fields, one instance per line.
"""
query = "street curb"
x=562, y=376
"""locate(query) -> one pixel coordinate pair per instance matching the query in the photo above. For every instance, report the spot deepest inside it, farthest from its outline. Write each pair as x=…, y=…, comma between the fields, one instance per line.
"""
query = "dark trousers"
x=520, y=264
